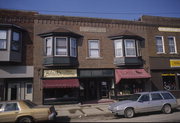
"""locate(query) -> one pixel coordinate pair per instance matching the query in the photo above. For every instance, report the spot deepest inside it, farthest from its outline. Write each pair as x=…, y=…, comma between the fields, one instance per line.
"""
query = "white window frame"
x=130, y=47
x=162, y=44
x=90, y=49
x=175, y=46
x=45, y=47
x=73, y=47
x=66, y=46
x=6, y=40
x=121, y=48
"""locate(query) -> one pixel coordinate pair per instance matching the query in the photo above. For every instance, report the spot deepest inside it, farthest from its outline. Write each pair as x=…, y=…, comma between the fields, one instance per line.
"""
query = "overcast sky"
x=113, y=9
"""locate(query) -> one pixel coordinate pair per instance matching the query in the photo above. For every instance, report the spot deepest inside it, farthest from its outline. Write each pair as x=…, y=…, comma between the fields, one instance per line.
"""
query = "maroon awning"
x=61, y=83
x=130, y=74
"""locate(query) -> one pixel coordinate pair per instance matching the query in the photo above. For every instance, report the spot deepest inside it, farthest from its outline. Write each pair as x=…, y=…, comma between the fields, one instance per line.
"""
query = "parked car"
x=145, y=102
x=25, y=111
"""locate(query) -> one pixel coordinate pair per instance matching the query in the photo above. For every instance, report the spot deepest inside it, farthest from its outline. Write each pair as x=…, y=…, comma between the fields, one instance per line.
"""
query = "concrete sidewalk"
x=85, y=110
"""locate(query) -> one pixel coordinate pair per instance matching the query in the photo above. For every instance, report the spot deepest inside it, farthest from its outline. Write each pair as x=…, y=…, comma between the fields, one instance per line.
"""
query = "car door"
x=156, y=101
x=143, y=104
x=10, y=112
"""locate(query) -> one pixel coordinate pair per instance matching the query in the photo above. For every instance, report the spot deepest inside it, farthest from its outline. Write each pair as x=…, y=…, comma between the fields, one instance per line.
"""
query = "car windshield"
x=30, y=104
x=134, y=97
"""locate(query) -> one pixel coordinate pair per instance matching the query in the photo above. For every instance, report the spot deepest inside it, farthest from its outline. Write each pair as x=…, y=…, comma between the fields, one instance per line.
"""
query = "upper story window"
x=130, y=48
x=73, y=50
x=118, y=48
x=61, y=46
x=127, y=48
x=16, y=44
x=172, y=44
x=48, y=46
x=160, y=44
x=93, y=48
x=3, y=39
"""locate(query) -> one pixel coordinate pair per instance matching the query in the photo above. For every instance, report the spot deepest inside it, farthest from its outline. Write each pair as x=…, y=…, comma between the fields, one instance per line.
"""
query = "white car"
x=145, y=102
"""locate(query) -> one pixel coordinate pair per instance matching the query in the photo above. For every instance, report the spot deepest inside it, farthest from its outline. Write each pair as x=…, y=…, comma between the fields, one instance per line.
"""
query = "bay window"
x=48, y=46
x=3, y=39
x=118, y=48
x=130, y=48
x=61, y=46
x=73, y=47
x=16, y=44
x=127, y=48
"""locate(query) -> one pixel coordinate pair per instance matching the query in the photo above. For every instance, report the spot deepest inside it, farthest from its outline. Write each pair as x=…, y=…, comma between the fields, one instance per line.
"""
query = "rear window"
x=167, y=96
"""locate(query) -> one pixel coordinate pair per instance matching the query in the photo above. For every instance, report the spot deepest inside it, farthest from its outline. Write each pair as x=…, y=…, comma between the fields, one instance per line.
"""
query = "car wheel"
x=166, y=109
x=129, y=113
x=25, y=120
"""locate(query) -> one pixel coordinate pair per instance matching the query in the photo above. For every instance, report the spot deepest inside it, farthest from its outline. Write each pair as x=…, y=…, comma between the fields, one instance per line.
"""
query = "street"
x=145, y=117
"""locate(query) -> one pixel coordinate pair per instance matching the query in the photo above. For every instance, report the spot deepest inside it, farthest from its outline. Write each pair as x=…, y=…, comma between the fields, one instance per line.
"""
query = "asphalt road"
x=145, y=117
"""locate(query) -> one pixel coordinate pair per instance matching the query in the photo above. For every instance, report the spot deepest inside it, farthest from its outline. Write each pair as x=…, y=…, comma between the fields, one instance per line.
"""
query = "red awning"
x=130, y=74
x=61, y=83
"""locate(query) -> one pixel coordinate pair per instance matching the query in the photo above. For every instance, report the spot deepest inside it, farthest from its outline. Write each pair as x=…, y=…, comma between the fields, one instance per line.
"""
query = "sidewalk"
x=78, y=110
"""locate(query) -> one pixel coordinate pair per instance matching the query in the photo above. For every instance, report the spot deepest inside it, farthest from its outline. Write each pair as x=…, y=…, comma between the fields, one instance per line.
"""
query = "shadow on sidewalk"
x=63, y=119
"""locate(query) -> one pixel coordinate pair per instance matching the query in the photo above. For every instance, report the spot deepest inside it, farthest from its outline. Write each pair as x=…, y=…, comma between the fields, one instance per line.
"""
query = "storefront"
x=129, y=81
x=60, y=86
x=96, y=84
x=16, y=82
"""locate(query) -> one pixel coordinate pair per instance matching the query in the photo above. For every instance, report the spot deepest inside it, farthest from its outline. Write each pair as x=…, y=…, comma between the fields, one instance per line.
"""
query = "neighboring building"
x=16, y=55
x=72, y=59
x=164, y=49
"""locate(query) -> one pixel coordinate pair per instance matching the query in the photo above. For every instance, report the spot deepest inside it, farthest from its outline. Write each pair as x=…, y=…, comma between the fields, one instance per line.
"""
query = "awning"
x=61, y=83
x=130, y=74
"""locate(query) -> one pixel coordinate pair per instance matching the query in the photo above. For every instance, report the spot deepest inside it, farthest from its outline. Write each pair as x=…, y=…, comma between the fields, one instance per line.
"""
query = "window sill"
x=94, y=58
x=160, y=53
x=173, y=53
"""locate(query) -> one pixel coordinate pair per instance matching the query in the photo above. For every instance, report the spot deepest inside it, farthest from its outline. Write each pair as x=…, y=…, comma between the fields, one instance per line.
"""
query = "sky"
x=110, y=9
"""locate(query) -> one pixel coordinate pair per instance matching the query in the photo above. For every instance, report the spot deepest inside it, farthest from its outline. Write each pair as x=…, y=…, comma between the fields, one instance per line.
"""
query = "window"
x=118, y=48
x=73, y=47
x=29, y=89
x=159, y=44
x=144, y=98
x=61, y=47
x=94, y=48
x=156, y=96
x=167, y=96
x=48, y=46
x=15, y=46
x=130, y=48
x=11, y=107
x=3, y=39
x=172, y=44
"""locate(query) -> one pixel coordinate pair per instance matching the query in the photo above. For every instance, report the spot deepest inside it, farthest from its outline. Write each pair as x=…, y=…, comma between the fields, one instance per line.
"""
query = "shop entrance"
x=91, y=90
x=13, y=91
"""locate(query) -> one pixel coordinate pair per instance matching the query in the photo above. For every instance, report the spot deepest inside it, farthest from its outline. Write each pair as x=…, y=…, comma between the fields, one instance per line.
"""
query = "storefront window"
x=130, y=86
x=169, y=81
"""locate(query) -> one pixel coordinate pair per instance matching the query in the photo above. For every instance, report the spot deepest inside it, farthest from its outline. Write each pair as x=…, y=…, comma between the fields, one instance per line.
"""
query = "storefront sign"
x=168, y=29
x=168, y=74
x=175, y=62
x=59, y=73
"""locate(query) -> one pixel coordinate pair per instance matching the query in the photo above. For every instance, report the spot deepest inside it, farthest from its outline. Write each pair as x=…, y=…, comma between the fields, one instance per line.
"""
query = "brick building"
x=16, y=55
x=78, y=59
